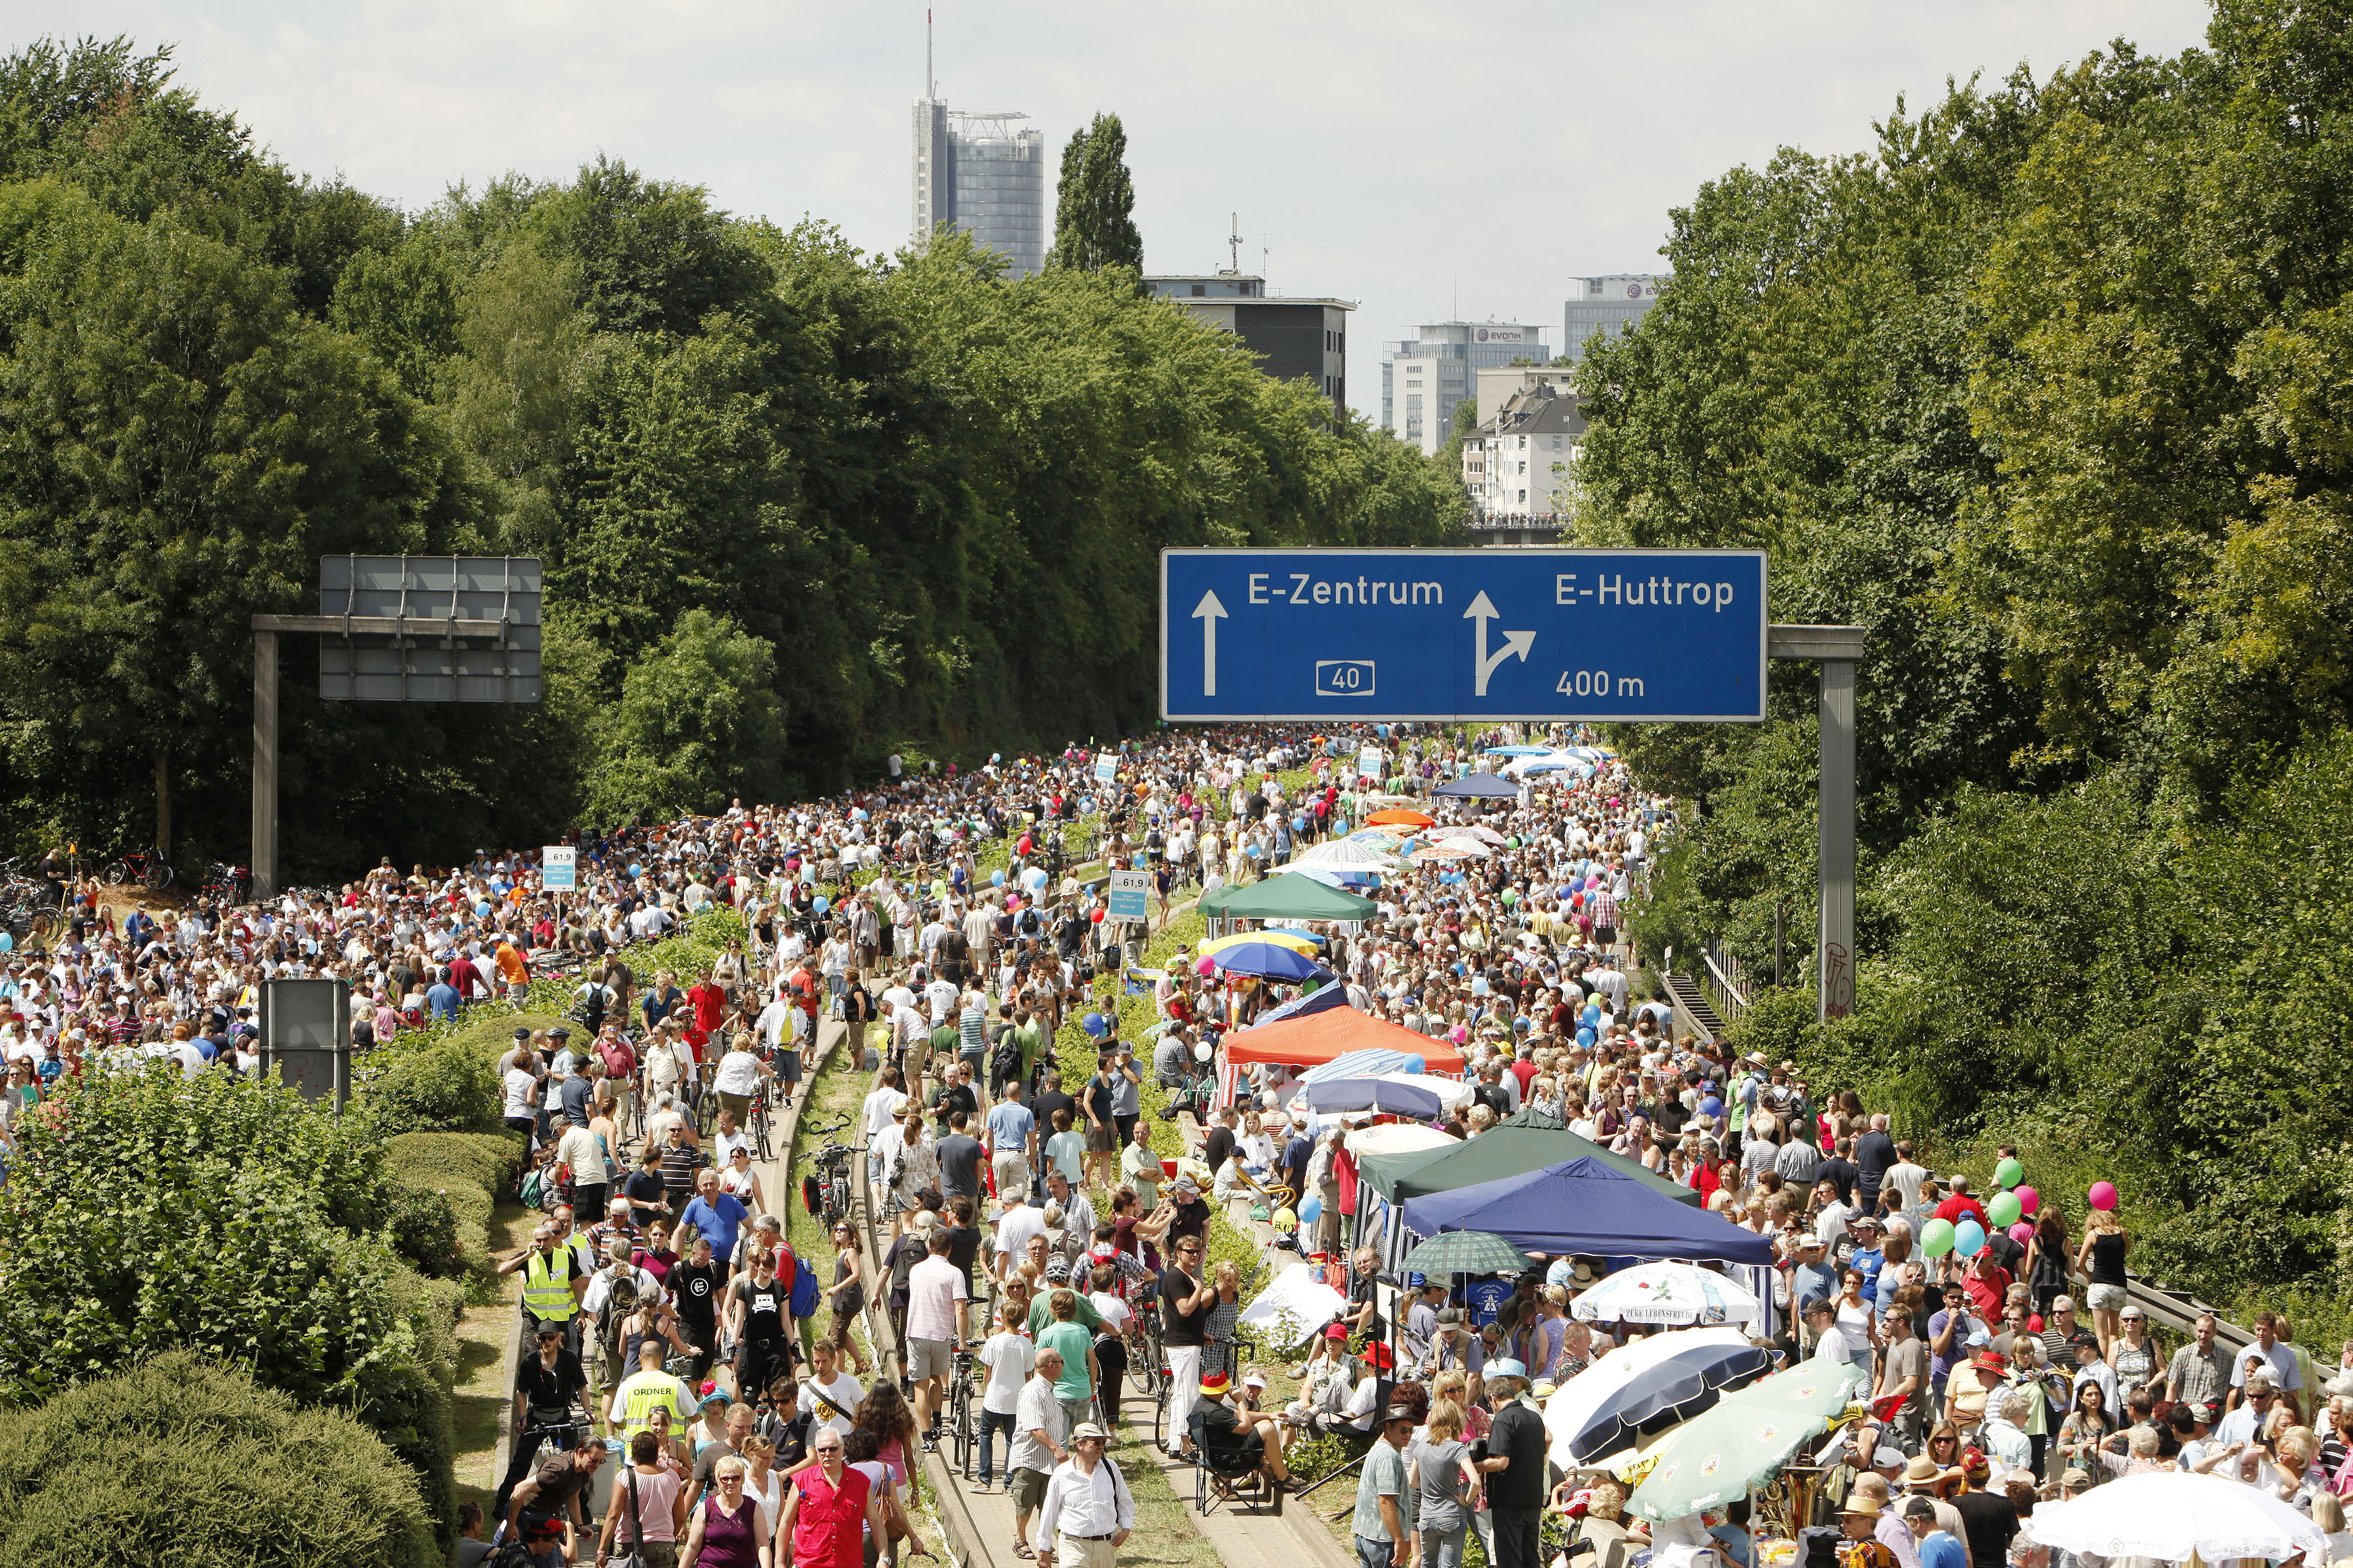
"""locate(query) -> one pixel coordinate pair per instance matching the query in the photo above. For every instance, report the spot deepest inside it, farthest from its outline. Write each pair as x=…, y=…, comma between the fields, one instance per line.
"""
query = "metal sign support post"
x=265, y=759
x=1838, y=649
x=265, y=706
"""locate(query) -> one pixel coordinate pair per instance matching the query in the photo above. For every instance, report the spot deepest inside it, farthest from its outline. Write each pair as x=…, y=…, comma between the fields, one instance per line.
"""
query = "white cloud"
x=1383, y=151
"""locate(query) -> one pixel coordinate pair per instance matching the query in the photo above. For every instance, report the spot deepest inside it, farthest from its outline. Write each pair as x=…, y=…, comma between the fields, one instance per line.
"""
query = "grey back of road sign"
x=425, y=660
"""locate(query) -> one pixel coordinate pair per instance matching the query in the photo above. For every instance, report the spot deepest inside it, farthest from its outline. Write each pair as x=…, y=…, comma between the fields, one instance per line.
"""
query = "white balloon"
x=1202, y=1053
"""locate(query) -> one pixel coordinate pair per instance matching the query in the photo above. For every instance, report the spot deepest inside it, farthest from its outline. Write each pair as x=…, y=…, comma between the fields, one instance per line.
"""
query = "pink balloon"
x=2103, y=1195
x=2021, y=1232
x=2029, y=1200
x=1204, y=967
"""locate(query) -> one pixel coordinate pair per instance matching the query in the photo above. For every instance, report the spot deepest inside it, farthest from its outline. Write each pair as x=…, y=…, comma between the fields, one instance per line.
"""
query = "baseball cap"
x=2075, y=1478
x=1086, y=1429
x=1216, y=1382
x=1337, y=1332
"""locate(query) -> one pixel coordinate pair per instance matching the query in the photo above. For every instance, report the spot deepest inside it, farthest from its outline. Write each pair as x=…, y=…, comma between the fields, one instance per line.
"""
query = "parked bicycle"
x=149, y=870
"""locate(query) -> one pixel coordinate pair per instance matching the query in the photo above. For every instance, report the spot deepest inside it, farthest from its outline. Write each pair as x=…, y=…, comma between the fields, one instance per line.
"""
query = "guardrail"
x=1724, y=981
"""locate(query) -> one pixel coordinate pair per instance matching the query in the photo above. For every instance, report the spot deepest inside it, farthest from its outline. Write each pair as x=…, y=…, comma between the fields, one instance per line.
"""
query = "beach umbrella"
x=1465, y=1252
x=2171, y=1515
x=1479, y=786
x=1517, y=751
x=1402, y=815
x=1429, y=852
x=1269, y=960
x=1745, y=1439
x=1281, y=939
x=1478, y=830
x=1347, y=852
x=1606, y=1408
x=1667, y=1293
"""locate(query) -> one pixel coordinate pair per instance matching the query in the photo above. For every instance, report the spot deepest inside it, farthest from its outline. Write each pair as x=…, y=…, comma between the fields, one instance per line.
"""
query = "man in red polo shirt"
x=827, y=1510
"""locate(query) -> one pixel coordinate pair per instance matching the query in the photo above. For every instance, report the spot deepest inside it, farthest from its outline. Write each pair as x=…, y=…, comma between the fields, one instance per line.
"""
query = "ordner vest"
x=547, y=1286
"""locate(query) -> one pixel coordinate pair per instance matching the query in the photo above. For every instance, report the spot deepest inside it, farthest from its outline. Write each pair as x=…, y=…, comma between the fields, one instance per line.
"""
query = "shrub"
x=148, y=1213
x=446, y=1086
x=427, y=1232
x=185, y=1461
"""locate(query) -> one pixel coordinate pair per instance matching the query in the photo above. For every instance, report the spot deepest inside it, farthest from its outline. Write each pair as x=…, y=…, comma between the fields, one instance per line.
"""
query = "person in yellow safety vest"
x=553, y=1279
x=645, y=1391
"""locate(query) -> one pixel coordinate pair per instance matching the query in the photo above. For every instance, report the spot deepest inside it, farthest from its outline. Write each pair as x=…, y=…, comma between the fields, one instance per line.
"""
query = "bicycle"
x=152, y=872
x=831, y=1183
x=760, y=1125
x=958, y=1411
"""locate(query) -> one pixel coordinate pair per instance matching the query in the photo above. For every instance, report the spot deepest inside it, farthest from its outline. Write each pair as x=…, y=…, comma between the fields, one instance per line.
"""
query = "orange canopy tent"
x=1402, y=815
x=1314, y=1038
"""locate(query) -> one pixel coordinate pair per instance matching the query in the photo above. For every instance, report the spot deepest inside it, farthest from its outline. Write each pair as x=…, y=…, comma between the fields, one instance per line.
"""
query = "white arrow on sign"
x=1483, y=610
x=1208, y=612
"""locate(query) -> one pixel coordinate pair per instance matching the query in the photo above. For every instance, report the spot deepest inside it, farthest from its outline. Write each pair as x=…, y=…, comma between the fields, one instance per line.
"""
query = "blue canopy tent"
x=1338, y=1094
x=1479, y=786
x=1584, y=1206
x=1317, y=1000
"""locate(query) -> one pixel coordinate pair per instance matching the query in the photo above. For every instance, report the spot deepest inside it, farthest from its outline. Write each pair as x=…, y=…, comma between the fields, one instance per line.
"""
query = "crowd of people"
x=1029, y=1225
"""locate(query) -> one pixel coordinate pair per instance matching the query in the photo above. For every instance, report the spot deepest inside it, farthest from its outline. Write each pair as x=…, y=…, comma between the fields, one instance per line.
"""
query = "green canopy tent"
x=1512, y=1147
x=1286, y=898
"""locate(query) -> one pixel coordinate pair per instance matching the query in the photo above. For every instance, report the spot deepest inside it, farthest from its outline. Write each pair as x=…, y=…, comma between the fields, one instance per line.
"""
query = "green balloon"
x=1937, y=1238
x=2005, y=1210
x=2009, y=1173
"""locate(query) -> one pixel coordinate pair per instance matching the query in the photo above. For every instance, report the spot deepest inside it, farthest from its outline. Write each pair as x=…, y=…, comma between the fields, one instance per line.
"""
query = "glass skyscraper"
x=984, y=175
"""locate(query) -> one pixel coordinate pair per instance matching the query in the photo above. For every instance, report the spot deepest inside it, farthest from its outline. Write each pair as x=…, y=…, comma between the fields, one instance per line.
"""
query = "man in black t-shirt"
x=695, y=1284
x=1185, y=1303
x=1988, y=1518
x=959, y=1155
x=1515, y=1466
x=1217, y=1144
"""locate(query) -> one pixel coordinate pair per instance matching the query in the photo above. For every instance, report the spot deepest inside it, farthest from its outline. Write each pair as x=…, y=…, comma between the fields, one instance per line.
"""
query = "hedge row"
x=181, y=1460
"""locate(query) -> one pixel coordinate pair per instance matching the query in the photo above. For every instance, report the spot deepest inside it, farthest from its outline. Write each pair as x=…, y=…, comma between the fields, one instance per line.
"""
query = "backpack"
x=1007, y=1061
x=807, y=1294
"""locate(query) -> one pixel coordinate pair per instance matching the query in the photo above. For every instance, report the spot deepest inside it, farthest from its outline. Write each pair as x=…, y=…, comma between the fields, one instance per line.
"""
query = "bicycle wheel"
x=1160, y=1416
x=116, y=874
x=158, y=876
x=960, y=1401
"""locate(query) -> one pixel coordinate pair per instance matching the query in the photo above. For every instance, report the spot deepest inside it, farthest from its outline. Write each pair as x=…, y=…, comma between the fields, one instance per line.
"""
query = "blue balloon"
x=996, y=878
x=483, y=909
x=821, y=904
x=1711, y=1106
x=1093, y=1024
x=1969, y=1238
x=1310, y=1210
x=1416, y=1064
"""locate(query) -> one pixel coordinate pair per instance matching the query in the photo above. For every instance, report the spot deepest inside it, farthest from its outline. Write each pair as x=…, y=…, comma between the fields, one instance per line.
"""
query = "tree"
x=187, y=445
x=184, y=1460
x=698, y=723
x=1095, y=203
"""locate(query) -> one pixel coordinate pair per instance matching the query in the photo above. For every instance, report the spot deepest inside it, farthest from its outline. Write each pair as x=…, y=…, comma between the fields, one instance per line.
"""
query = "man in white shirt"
x=937, y=1306
x=1019, y=1221
x=828, y=1396
x=883, y=1107
x=1087, y=1512
x=1038, y=1431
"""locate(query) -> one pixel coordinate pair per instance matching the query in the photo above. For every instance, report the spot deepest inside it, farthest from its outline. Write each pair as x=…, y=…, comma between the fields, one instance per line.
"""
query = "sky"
x=1427, y=160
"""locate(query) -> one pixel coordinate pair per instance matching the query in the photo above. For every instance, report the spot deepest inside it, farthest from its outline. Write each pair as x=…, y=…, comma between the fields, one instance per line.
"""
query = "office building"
x=984, y=175
x=1291, y=336
x=1423, y=378
x=1604, y=308
x=1516, y=464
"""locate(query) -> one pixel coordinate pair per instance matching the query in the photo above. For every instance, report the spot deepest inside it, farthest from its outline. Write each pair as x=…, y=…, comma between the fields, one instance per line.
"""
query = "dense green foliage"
x=179, y=1459
x=148, y=1213
x=2048, y=394
x=1095, y=204
x=878, y=501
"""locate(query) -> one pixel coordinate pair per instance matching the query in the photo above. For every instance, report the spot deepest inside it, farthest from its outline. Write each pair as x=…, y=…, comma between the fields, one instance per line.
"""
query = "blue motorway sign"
x=1499, y=632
